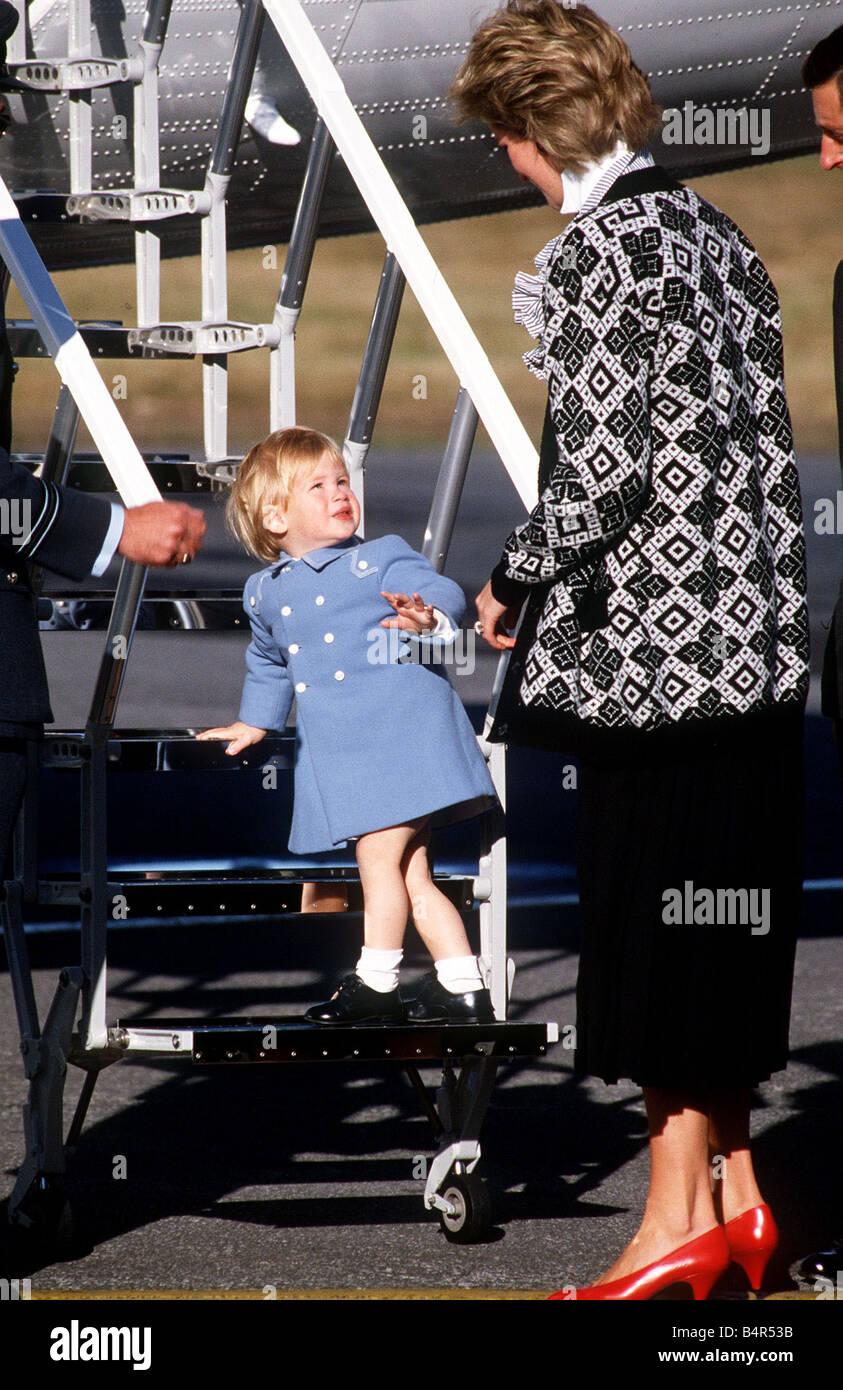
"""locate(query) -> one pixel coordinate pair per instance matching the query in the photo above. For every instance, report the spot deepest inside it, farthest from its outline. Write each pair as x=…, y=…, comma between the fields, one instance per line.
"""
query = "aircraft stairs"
x=77, y=1028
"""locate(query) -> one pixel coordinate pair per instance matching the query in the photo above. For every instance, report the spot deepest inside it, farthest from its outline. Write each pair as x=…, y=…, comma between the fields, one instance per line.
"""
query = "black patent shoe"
x=436, y=1004
x=355, y=1002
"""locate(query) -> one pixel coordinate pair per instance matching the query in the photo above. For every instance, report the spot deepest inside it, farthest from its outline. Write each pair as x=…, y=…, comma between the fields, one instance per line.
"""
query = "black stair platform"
x=230, y=1041
x=233, y=893
x=167, y=750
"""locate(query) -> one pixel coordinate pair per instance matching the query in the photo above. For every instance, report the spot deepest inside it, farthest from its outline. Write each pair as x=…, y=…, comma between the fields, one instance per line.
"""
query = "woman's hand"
x=414, y=615
x=493, y=619
x=241, y=735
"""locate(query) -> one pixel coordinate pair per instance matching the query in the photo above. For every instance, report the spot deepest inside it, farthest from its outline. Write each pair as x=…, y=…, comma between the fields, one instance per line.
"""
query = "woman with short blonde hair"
x=561, y=78
x=664, y=634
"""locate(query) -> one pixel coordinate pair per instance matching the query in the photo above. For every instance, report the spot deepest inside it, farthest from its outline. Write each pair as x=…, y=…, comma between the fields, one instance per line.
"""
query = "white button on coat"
x=294, y=647
x=339, y=675
x=329, y=637
x=320, y=599
x=286, y=611
x=300, y=687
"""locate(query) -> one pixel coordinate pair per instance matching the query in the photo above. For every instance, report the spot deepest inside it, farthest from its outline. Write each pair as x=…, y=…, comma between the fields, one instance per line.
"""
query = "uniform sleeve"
x=407, y=571
x=56, y=526
x=599, y=349
x=59, y=527
x=267, y=689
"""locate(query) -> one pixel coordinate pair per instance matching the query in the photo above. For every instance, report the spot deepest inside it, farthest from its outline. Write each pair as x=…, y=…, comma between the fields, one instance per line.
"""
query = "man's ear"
x=274, y=519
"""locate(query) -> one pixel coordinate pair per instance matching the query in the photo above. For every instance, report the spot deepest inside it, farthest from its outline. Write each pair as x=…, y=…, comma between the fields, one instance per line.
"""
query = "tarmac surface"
x=305, y=1180
x=305, y=1177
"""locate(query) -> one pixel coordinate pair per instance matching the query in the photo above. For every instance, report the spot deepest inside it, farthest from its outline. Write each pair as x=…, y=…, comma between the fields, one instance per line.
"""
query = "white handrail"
x=518, y=453
x=72, y=358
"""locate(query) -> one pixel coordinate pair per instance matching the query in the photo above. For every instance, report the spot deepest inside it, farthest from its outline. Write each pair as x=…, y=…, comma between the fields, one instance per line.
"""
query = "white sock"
x=379, y=969
x=459, y=974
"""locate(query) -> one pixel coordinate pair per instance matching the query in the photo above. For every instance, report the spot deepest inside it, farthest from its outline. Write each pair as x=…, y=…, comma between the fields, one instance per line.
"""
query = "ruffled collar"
x=577, y=187
x=582, y=193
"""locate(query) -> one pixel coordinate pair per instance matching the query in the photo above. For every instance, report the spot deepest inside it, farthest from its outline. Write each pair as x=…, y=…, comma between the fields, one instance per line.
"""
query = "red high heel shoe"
x=752, y=1238
x=699, y=1263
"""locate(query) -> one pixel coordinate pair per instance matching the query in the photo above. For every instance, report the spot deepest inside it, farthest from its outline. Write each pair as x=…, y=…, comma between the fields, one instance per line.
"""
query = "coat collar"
x=318, y=559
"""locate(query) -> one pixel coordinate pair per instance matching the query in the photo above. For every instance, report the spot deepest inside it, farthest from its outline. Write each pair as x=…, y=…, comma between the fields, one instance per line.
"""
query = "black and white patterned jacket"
x=665, y=557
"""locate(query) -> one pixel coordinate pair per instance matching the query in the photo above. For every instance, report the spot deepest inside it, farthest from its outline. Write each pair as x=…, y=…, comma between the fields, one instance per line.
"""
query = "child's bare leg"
x=370, y=994
x=437, y=921
x=385, y=900
x=455, y=992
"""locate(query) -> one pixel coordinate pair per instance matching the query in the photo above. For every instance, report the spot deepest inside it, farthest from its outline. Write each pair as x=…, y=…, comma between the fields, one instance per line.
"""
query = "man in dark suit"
x=73, y=534
x=822, y=72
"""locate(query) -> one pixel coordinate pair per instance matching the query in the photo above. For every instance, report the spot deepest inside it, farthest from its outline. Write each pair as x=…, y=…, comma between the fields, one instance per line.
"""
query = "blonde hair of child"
x=266, y=478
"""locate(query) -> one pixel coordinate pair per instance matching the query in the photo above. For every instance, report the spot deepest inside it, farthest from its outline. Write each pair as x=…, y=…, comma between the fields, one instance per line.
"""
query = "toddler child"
x=384, y=748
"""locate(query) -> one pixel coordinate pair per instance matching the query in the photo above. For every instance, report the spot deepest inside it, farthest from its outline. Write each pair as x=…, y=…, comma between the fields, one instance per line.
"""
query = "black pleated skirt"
x=672, y=993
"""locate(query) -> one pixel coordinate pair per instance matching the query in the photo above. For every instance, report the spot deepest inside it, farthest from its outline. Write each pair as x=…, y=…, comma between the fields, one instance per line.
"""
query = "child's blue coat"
x=379, y=740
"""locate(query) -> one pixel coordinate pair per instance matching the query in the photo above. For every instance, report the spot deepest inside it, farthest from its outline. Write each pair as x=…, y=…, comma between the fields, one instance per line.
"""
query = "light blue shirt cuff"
x=111, y=542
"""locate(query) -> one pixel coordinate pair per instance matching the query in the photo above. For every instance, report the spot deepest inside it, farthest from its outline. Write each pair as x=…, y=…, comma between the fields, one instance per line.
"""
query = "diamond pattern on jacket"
x=677, y=485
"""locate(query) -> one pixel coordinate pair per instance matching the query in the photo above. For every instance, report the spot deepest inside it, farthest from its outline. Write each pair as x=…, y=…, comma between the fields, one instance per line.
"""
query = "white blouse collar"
x=577, y=187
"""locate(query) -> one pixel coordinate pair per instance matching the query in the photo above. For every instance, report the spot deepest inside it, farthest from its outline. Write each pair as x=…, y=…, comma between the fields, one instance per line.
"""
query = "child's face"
x=321, y=510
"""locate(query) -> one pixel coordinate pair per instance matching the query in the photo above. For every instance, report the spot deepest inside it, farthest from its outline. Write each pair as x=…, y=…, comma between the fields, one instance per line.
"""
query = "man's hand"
x=161, y=533
x=494, y=618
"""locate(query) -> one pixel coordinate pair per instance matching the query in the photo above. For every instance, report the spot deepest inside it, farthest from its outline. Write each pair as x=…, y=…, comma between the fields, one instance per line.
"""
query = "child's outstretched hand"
x=241, y=735
x=414, y=615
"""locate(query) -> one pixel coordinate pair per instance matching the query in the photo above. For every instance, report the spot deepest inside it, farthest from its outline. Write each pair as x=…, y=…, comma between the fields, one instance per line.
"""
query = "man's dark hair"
x=825, y=61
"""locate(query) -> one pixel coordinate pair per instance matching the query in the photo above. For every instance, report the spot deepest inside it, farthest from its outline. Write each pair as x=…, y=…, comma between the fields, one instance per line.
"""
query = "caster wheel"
x=471, y=1218
x=44, y=1216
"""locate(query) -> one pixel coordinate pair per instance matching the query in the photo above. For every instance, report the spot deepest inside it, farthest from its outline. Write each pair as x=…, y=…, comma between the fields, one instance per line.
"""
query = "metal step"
x=231, y=1041
x=173, y=473
x=195, y=337
x=167, y=751
x=74, y=74
x=138, y=205
x=237, y=894
x=40, y=206
x=104, y=338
